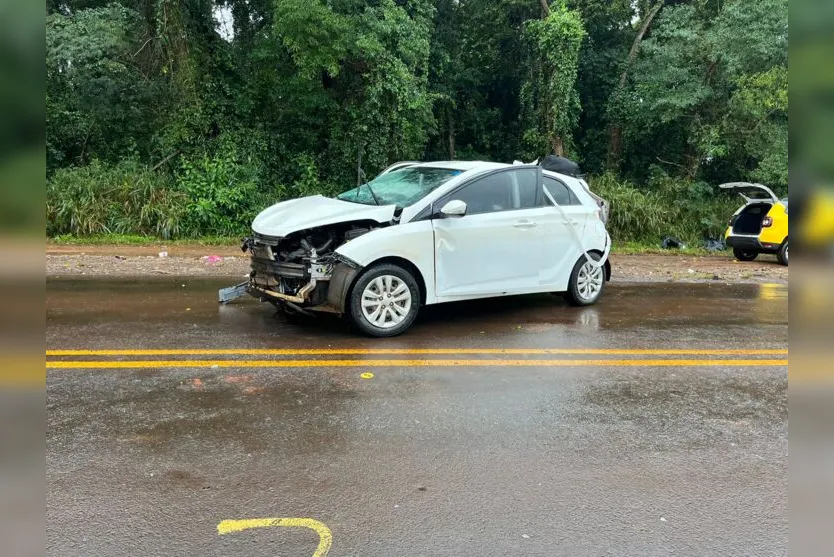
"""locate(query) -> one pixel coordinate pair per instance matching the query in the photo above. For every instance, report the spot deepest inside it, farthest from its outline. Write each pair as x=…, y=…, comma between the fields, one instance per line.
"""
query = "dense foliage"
x=184, y=117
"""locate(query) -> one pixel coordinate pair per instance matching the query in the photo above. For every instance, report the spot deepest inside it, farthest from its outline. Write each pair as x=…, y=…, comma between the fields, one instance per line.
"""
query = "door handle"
x=525, y=224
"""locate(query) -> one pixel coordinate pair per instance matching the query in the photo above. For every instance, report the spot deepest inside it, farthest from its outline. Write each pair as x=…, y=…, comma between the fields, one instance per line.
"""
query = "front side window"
x=402, y=187
x=500, y=191
x=525, y=186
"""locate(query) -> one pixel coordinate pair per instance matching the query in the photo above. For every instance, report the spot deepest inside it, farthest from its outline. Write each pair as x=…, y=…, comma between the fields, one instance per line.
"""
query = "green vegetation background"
x=183, y=118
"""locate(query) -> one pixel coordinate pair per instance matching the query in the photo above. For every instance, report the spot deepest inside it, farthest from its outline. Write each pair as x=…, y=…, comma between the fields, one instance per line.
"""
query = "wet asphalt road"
x=515, y=459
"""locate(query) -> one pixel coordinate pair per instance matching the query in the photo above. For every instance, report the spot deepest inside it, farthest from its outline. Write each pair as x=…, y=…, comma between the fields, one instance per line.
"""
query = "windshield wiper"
x=370, y=189
x=361, y=179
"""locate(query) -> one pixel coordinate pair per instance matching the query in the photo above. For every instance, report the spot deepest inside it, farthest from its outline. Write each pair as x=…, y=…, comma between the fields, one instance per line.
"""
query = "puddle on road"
x=82, y=308
x=161, y=409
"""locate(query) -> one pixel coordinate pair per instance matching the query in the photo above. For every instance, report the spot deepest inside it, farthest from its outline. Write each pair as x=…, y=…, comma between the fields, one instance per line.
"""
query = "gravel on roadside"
x=146, y=261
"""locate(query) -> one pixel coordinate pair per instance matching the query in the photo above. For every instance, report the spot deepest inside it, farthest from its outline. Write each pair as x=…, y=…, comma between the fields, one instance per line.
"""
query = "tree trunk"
x=359, y=166
x=558, y=146
x=615, y=132
x=635, y=46
x=545, y=8
x=615, y=145
x=451, y=120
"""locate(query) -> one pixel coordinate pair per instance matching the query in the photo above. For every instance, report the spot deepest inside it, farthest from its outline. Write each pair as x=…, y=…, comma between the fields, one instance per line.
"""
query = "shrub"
x=113, y=199
x=635, y=215
x=222, y=194
x=691, y=211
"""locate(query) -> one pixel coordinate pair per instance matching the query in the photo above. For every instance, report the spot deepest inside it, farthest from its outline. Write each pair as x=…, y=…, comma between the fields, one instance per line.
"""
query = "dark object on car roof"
x=672, y=243
x=555, y=163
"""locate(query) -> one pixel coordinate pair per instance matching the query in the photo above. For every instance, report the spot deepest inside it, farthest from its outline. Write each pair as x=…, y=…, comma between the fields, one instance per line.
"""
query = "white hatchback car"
x=427, y=233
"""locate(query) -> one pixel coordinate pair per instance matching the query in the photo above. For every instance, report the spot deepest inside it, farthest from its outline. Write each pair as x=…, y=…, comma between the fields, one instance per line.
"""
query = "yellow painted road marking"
x=403, y=363
x=325, y=537
x=420, y=351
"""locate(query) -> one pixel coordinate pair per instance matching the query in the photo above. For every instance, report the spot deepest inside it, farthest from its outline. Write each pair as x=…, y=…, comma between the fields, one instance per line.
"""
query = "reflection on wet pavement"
x=189, y=308
x=420, y=461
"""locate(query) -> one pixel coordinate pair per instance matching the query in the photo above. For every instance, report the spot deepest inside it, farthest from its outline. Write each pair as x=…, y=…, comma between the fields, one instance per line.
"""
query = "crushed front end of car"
x=293, y=253
x=302, y=272
x=292, y=272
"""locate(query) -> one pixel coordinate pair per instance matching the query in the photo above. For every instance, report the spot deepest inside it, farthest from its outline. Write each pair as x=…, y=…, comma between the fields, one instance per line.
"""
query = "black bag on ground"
x=711, y=244
x=555, y=163
x=670, y=242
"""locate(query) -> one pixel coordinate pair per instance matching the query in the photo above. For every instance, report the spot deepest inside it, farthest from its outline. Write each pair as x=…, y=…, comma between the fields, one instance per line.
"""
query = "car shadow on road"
x=469, y=317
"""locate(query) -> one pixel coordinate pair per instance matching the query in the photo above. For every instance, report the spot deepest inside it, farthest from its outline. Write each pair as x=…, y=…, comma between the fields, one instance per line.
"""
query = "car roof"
x=481, y=165
x=463, y=165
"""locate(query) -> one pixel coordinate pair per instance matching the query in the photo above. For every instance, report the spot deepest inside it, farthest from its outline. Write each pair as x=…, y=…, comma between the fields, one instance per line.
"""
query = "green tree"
x=298, y=97
x=549, y=94
x=99, y=102
x=609, y=35
x=693, y=90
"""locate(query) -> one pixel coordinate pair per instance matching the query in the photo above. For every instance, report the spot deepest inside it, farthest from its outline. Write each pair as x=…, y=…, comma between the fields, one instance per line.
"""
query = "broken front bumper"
x=336, y=291
x=317, y=284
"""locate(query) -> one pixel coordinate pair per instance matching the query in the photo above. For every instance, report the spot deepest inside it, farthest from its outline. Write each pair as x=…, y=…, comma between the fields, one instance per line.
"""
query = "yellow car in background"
x=760, y=225
x=815, y=229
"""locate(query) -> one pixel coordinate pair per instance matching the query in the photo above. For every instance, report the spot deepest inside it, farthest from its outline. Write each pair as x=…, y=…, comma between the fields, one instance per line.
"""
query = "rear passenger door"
x=559, y=246
x=496, y=247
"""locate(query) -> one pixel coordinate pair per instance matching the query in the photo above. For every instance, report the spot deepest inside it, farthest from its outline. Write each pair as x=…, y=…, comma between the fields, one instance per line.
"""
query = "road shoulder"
x=220, y=261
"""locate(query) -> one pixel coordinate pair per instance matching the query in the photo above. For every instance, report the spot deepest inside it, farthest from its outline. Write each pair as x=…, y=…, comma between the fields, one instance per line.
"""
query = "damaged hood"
x=310, y=212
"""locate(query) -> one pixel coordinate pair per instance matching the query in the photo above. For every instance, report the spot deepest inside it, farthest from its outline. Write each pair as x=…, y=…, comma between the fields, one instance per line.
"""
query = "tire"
x=782, y=255
x=586, y=282
x=377, y=284
x=744, y=255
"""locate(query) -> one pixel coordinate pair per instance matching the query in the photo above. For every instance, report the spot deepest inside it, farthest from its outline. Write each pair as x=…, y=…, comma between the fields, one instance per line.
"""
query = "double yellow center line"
x=370, y=357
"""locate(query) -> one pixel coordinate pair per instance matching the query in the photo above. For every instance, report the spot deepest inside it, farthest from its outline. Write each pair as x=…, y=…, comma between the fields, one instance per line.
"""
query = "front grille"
x=280, y=268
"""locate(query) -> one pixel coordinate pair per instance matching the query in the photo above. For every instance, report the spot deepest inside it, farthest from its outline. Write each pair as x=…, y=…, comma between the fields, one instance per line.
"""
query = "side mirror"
x=454, y=208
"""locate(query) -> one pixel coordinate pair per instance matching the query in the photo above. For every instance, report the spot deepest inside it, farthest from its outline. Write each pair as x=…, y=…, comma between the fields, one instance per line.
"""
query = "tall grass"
x=208, y=196
x=126, y=198
x=689, y=211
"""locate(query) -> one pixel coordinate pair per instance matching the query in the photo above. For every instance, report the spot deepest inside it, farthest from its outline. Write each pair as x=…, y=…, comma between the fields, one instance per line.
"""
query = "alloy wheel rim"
x=386, y=301
x=589, y=281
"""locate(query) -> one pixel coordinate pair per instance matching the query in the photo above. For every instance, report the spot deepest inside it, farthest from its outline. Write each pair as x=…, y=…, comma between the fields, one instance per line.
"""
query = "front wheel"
x=745, y=255
x=384, y=301
x=586, y=283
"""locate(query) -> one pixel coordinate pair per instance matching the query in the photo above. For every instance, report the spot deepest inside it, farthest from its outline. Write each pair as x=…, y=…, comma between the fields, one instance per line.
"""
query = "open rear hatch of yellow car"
x=751, y=192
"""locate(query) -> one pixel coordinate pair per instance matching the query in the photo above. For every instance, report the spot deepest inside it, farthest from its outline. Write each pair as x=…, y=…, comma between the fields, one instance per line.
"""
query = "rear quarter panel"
x=778, y=231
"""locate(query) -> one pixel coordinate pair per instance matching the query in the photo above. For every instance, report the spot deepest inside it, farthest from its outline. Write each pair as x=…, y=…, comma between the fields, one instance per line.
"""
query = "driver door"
x=495, y=248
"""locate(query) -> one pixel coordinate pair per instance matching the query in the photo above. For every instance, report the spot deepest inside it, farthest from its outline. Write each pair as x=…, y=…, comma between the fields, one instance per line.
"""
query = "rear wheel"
x=782, y=255
x=587, y=282
x=745, y=255
x=384, y=301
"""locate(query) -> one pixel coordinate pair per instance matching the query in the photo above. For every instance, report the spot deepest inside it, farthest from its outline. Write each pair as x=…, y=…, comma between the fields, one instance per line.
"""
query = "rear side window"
x=561, y=193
